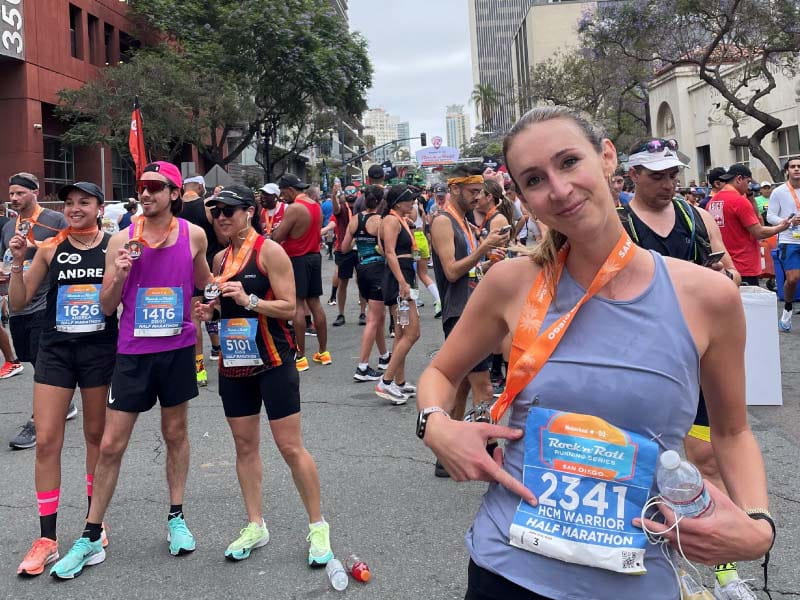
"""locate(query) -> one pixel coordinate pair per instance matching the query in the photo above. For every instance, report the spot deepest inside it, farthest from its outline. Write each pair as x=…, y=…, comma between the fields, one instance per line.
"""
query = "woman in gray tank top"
x=596, y=387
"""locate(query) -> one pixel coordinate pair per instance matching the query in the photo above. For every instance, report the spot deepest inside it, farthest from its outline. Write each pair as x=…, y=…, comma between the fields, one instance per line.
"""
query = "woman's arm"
x=23, y=287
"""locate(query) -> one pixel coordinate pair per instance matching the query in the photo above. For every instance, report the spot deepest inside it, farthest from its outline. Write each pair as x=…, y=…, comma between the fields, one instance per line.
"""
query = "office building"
x=383, y=128
x=457, y=126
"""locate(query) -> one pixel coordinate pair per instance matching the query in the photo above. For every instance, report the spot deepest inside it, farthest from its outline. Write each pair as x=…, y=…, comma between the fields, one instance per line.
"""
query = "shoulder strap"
x=626, y=218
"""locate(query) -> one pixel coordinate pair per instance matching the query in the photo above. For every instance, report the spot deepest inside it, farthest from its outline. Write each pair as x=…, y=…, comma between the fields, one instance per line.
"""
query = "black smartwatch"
x=422, y=418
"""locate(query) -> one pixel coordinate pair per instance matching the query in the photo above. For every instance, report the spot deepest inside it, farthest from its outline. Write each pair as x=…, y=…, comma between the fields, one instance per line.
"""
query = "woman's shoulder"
x=507, y=277
x=708, y=288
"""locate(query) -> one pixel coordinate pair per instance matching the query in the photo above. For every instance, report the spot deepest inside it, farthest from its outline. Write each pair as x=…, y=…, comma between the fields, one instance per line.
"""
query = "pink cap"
x=166, y=169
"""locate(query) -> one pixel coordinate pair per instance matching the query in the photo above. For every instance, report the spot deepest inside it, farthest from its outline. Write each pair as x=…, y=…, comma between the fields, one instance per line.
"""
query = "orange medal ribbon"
x=469, y=235
x=267, y=219
x=531, y=350
x=64, y=234
x=794, y=196
x=138, y=231
x=404, y=224
x=241, y=257
x=25, y=226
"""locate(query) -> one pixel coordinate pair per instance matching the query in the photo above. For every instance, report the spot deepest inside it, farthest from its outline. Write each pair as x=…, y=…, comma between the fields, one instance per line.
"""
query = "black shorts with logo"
x=370, y=280
x=79, y=362
x=307, y=275
x=391, y=288
x=278, y=389
x=140, y=379
x=482, y=366
x=346, y=261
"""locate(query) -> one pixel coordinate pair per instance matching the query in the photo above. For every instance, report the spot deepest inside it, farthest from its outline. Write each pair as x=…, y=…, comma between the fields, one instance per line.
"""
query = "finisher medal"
x=134, y=248
x=211, y=291
x=24, y=228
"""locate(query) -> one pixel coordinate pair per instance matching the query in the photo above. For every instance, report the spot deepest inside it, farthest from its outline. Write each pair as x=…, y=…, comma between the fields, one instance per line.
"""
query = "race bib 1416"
x=591, y=480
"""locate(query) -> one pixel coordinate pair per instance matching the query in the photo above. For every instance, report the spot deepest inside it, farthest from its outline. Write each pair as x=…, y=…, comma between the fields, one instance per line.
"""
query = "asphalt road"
x=378, y=489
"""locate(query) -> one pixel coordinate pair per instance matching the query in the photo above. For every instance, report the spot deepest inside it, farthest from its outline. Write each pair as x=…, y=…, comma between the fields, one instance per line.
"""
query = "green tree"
x=294, y=58
x=483, y=144
x=486, y=100
x=737, y=47
x=175, y=110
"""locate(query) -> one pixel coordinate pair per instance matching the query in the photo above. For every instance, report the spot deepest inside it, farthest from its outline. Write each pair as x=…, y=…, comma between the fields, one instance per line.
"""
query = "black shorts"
x=346, y=261
x=140, y=379
x=307, y=275
x=391, y=289
x=482, y=366
x=277, y=389
x=701, y=418
x=25, y=333
x=482, y=584
x=80, y=362
x=370, y=280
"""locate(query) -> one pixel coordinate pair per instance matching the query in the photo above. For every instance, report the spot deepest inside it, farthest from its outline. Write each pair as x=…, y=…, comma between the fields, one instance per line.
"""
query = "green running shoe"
x=319, y=552
x=253, y=536
x=181, y=540
x=83, y=553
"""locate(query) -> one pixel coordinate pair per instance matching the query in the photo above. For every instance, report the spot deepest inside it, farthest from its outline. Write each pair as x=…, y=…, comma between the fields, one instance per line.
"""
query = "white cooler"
x=762, y=357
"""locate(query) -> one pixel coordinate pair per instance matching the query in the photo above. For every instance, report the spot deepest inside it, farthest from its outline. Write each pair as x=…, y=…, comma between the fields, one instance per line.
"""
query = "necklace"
x=84, y=244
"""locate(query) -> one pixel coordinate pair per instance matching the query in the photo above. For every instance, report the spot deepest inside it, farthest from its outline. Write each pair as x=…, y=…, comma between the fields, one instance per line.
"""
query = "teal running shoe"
x=84, y=553
x=181, y=540
x=251, y=537
x=319, y=551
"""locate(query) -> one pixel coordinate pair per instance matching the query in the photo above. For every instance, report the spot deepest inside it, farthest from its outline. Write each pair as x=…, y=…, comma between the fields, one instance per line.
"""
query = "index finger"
x=501, y=476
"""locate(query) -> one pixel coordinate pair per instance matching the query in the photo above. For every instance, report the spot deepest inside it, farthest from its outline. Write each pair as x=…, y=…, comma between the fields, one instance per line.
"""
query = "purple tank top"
x=167, y=267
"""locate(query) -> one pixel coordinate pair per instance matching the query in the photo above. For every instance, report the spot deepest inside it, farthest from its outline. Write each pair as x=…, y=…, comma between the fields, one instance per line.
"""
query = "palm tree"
x=486, y=100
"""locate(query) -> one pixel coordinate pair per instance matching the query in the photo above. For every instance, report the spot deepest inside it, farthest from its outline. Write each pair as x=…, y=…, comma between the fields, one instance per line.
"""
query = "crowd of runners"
x=555, y=273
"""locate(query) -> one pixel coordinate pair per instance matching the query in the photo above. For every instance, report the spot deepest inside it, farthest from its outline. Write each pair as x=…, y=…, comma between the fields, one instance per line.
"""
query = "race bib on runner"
x=591, y=479
x=239, y=348
x=78, y=309
x=159, y=312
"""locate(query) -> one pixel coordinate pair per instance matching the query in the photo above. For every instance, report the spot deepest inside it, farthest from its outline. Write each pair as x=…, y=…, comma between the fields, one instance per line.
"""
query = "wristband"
x=17, y=268
x=763, y=514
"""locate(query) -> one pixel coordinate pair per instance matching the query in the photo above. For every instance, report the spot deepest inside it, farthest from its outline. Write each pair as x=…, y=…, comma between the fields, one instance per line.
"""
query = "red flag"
x=136, y=139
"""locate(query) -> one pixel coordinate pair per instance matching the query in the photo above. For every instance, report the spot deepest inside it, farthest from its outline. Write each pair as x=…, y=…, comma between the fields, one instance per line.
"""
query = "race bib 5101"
x=591, y=480
x=238, y=339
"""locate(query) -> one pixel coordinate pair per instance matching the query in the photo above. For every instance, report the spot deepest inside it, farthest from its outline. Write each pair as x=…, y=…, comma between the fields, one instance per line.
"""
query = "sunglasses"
x=657, y=145
x=151, y=185
x=228, y=211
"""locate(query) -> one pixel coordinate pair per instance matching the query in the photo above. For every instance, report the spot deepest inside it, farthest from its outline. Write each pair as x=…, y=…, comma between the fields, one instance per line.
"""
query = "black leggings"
x=485, y=585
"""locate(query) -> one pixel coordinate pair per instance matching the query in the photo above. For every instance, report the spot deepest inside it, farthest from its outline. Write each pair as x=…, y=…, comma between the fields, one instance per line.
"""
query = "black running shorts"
x=307, y=275
x=80, y=362
x=278, y=389
x=482, y=366
x=482, y=584
x=140, y=379
x=370, y=281
x=25, y=333
x=391, y=289
x=346, y=261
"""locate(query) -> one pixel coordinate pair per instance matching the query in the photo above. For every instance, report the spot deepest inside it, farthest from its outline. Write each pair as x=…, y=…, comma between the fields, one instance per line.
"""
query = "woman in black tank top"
x=398, y=248
x=77, y=347
x=256, y=299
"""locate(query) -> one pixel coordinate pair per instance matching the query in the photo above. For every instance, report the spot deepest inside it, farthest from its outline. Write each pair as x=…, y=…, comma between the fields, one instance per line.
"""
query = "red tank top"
x=310, y=241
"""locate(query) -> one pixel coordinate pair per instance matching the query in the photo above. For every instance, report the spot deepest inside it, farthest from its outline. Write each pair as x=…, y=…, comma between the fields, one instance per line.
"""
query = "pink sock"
x=89, y=484
x=48, y=502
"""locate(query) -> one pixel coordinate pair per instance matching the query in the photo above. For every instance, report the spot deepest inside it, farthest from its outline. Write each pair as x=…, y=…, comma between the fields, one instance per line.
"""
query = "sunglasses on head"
x=151, y=185
x=228, y=211
x=658, y=145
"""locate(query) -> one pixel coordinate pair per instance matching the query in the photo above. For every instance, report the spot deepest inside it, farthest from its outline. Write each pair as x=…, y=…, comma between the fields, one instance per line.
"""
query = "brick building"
x=49, y=45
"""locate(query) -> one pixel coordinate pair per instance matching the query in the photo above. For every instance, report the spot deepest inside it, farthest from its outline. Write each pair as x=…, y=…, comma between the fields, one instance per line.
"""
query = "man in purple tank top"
x=151, y=269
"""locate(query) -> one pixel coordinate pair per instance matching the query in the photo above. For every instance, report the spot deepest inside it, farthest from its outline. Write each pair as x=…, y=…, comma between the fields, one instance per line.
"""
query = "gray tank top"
x=632, y=363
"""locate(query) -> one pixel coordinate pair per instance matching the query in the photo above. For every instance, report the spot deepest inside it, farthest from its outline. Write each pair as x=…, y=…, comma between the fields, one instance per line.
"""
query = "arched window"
x=666, y=121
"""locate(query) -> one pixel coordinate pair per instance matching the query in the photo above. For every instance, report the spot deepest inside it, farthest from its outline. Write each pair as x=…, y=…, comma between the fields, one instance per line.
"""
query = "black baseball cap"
x=84, y=186
x=734, y=171
x=291, y=180
x=233, y=195
x=440, y=189
x=375, y=172
x=715, y=175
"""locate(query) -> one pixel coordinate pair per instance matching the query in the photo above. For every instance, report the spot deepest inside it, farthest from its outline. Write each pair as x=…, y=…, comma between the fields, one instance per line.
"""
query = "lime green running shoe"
x=181, y=540
x=253, y=536
x=319, y=552
x=84, y=553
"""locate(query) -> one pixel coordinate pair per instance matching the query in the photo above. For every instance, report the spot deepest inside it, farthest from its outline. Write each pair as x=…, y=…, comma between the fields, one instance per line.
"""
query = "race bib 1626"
x=591, y=480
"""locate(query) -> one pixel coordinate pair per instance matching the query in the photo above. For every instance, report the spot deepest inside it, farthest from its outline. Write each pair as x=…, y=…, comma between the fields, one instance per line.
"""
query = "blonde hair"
x=546, y=251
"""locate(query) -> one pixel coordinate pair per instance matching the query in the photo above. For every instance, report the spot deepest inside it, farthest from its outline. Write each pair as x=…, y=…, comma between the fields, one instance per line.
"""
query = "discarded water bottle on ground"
x=336, y=575
x=357, y=568
x=403, y=316
x=681, y=486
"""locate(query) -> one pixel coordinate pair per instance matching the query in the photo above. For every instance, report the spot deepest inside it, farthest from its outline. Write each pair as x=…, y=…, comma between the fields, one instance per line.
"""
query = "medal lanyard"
x=488, y=216
x=64, y=234
x=138, y=232
x=469, y=236
x=241, y=257
x=530, y=350
x=794, y=196
x=34, y=220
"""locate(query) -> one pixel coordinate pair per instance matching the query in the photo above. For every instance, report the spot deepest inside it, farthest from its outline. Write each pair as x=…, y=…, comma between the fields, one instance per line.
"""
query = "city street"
x=378, y=491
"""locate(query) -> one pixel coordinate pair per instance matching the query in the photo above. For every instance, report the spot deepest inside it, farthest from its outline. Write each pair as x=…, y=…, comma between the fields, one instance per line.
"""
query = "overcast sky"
x=421, y=59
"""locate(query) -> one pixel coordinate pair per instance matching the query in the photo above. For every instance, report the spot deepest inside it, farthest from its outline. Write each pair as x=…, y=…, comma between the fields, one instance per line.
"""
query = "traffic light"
x=423, y=139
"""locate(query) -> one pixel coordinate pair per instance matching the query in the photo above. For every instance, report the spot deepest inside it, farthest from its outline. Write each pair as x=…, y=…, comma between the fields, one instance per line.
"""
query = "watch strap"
x=422, y=418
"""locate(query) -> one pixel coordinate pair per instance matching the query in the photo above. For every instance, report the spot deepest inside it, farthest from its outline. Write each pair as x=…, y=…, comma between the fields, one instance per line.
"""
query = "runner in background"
x=784, y=203
x=346, y=259
x=419, y=228
x=11, y=365
x=272, y=210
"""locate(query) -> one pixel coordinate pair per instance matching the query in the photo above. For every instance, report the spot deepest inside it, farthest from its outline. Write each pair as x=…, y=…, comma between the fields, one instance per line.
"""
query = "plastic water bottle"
x=357, y=568
x=8, y=261
x=681, y=486
x=403, y=310
x=336, y=575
